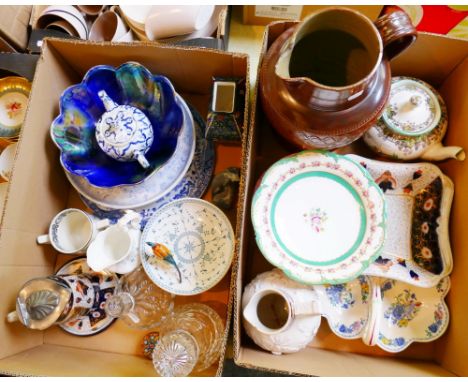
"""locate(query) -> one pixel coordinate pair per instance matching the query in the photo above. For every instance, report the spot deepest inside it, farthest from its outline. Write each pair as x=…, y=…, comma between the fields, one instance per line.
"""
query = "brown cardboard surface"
x=440, y=61
x=453, y=349
x=14, y=22
x=371, y=11
x=16, y=338
x=39, y=190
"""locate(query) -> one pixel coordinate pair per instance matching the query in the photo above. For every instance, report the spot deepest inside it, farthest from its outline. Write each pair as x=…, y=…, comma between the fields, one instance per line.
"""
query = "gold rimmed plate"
x=14, y=96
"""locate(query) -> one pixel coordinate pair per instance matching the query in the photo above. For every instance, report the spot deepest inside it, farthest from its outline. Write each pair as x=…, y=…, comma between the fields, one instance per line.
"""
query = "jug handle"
x=397, y=32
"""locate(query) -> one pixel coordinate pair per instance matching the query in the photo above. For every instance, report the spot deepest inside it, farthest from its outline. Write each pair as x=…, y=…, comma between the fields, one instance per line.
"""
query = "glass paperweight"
x=189, y=342
x=139, y=302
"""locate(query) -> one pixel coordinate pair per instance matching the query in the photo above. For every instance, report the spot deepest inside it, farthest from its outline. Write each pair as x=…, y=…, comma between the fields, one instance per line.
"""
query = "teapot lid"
x=413, y=107
x=41, y=302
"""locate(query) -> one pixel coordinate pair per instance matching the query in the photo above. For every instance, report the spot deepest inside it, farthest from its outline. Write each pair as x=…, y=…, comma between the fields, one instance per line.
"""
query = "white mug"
x=108, y=27
x=72, y=231
x=173, y=20
x=7, y=158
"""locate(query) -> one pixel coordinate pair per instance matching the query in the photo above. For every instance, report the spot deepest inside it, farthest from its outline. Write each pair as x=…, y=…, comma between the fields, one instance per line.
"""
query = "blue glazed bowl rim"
x=83, y=81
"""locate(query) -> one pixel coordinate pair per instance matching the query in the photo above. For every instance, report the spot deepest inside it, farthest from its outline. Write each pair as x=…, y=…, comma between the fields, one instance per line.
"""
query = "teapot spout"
x=438, y=152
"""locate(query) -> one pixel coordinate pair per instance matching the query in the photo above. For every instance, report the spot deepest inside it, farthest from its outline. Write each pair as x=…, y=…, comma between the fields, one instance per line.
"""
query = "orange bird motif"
x=164, y=253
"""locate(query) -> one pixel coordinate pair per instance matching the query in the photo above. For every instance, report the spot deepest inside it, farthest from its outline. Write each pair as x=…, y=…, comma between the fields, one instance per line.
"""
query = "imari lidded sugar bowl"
x=413, y=124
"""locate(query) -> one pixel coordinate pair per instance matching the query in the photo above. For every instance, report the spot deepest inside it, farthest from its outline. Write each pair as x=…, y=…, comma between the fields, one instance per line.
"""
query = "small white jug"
x=117, y=248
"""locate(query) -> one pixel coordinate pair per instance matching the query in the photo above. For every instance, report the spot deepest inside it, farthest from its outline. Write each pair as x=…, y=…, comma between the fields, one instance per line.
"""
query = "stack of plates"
x=176, y=179
x=181, y=160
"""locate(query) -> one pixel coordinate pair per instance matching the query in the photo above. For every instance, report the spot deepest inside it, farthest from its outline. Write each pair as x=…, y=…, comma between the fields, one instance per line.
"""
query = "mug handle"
x=43, y=239
x=131, y=217
x=397, y=32
x=103, y=223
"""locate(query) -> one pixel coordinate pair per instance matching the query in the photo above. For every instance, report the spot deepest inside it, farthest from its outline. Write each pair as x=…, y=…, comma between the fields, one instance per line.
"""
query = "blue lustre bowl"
x=73, y=131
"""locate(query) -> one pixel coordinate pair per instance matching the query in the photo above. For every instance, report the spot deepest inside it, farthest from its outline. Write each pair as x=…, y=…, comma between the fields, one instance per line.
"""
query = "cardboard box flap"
x=14, y=22
x=327, y=363
x=162, y=59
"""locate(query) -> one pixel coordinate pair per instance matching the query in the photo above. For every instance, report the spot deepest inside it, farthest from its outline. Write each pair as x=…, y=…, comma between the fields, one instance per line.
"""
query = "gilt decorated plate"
x=14, y=95
x=319, y=217
x=96, y=320
x=187, y=247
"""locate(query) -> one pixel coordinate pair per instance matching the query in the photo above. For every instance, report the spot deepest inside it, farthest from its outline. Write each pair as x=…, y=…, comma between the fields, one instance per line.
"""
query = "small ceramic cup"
x=64, y=12
x=7, y=157
x=173, y=20
x=72, y=231
x=91, y=10
x=108, y=27
x=117, y=248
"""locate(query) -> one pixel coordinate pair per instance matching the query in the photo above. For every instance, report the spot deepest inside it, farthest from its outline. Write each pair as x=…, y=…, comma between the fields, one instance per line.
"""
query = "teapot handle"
x=397, y=32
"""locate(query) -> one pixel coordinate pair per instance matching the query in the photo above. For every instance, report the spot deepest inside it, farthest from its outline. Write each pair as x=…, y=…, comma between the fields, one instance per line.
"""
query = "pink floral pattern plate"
x=319, y=217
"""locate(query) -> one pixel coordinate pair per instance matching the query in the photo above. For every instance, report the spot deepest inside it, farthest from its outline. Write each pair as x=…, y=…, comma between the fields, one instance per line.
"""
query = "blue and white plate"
x=193, y=184
x=346, y=306
x=187, y=247
x=156, y=185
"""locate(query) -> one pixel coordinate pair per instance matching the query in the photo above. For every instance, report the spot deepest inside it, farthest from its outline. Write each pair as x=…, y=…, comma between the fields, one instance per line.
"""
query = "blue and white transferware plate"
x=411, y=314
x=97, y=319
x=187, y=247
x=193, y=184
x=153, y=187
x=319, y=217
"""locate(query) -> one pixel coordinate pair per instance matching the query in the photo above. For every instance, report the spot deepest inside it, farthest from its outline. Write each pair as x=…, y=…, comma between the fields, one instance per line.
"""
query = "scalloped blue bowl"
x=73, y=131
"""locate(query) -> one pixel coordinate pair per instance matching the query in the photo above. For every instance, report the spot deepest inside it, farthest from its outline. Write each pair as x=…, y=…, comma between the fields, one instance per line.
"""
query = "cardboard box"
x=265, y=14
x=39, y=189
x=14, y=23
x=328, y=355
x=219, y=40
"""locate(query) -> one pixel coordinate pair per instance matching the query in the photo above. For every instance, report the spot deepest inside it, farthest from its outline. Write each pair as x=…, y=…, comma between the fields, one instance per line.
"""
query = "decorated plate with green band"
x=14, y=95
x=319, y=217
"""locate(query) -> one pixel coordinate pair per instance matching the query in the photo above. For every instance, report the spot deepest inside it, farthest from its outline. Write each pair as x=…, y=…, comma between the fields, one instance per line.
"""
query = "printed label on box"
x=288, y=12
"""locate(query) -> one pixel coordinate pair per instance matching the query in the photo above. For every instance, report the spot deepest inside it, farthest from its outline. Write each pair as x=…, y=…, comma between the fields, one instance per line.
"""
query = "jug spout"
x=250, y=313
x=438, y=152
x=269, y=311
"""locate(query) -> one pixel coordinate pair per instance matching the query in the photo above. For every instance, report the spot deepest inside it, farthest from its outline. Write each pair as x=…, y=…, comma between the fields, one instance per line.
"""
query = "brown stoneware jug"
x=325, y=81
